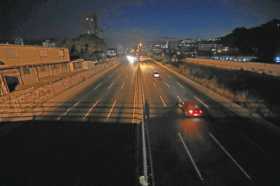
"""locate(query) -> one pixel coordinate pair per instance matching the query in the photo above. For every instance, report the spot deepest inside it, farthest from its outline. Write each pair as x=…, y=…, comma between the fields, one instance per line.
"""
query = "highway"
x=95, y=138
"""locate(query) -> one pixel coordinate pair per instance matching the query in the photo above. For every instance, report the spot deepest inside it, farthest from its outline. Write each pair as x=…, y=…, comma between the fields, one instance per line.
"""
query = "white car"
x=156, y=75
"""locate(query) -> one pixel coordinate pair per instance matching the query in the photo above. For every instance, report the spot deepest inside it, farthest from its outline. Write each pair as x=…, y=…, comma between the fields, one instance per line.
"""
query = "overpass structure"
x=25, y=66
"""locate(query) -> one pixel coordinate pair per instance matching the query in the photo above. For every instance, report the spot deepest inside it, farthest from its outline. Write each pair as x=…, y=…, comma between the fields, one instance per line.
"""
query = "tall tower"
x=90, y=23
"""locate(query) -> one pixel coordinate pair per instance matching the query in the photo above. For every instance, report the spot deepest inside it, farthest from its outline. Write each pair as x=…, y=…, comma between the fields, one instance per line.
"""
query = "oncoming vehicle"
x=156, y=75
x=191, y=109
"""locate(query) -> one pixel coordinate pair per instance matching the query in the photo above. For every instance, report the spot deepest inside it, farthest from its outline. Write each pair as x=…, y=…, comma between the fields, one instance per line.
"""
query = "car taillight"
x=196, y=112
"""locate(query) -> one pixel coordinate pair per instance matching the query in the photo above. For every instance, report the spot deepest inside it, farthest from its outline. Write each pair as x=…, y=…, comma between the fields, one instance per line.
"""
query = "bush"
x=256, y=92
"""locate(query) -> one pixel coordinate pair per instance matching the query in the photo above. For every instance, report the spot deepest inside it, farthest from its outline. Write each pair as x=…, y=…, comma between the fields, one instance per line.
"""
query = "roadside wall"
x=22, y=55
x=262, y=68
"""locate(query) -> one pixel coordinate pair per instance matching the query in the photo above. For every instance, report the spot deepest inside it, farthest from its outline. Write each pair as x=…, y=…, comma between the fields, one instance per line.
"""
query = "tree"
x=262, y=41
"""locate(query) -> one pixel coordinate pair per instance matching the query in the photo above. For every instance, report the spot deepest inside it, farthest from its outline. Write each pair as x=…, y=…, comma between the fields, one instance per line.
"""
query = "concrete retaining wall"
x=270, y=69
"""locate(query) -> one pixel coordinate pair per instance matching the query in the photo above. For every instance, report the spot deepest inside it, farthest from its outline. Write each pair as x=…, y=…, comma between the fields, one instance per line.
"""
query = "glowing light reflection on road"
x=194, y=128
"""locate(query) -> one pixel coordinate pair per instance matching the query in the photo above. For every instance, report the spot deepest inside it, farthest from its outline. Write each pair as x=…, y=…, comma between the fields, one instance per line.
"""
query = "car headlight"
x=131, y=59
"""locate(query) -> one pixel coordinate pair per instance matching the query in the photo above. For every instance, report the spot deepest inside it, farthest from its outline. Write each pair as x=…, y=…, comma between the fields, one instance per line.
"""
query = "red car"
x=191, y=109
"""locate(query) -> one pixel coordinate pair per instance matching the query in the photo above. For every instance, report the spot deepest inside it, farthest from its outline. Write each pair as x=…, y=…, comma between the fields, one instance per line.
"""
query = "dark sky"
x=125, y=21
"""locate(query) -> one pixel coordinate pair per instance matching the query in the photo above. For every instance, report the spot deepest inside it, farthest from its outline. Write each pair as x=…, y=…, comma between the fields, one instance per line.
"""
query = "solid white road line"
x=180, y=84
x=90, y=110
x=168, y=86
x=229, y=155
x=190, y=156
x=111, y=110
x=163, y=102
x=202, y=102
x=68, y=110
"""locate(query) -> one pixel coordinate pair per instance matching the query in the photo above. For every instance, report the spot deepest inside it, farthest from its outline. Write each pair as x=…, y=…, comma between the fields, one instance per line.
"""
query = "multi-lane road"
x=96, y=138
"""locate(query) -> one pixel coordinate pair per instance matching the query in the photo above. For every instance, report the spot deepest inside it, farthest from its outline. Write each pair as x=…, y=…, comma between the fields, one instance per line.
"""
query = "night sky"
x=125, y=21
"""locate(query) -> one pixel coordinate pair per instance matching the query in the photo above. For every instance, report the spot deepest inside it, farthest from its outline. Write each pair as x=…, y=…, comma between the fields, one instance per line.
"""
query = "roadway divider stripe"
x=190, y=156
x=168, y=86
x=111, y=110
x=202, y=102
x=68, y=110
x=178, y=83
x=90, y=110
x=180, y=99
x=163, y=102
x=229, y=155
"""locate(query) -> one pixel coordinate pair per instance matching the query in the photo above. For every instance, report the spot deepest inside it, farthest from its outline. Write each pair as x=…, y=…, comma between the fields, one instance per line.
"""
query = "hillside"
x=262, y=41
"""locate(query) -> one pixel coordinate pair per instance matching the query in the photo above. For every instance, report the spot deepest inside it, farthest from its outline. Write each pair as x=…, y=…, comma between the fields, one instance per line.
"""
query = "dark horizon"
x=130, y=21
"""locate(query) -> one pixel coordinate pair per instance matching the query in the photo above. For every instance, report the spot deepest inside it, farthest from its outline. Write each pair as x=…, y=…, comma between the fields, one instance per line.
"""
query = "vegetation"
x=262, y=41
x=254, y=91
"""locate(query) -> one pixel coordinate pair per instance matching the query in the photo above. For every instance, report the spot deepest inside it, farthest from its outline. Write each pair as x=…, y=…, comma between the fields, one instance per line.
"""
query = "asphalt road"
x=109, y=100
x=95, y=139
x=220, y=149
